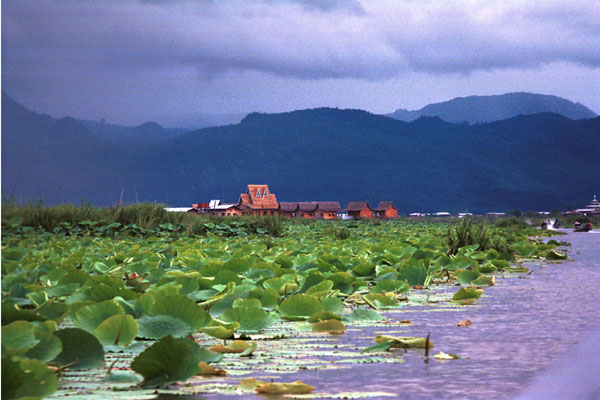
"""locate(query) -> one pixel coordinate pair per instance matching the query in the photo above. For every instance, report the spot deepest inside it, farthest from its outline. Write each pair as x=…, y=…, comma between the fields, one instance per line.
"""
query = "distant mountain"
x=199, y=121
x=541, y=161
x=144, y=134
x=476, y=109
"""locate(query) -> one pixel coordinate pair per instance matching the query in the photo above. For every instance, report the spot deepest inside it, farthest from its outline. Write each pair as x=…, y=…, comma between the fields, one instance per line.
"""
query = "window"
x=265, y=194
x=257, y=192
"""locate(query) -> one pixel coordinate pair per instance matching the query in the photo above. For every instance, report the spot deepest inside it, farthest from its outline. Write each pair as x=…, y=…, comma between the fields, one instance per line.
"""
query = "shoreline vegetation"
x=80, y=284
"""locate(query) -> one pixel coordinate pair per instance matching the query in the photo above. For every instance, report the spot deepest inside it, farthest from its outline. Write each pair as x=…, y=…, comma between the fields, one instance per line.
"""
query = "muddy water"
x=520, y=328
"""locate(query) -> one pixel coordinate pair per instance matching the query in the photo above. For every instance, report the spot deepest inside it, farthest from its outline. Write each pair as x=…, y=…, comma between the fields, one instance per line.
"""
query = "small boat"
x=583, y=227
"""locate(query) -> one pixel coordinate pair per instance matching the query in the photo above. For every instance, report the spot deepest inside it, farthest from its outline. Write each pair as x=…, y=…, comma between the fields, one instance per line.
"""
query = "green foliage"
x=26, y=379
x=465, y=234
x=168, y=361
x=80, y=349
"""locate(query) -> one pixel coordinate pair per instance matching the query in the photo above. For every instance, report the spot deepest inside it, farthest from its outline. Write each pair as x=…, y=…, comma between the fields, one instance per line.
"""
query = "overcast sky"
x=131, y=61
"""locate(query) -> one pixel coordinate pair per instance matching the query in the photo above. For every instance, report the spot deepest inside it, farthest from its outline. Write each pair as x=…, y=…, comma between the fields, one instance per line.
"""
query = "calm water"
x=521, y=329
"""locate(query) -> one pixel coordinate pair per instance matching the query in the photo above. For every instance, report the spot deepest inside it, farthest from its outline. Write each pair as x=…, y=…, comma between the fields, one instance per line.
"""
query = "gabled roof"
x=259, y=197
x=385, y=205
x=331, y=206
x=307, y=206
x=358, y=206
x=288, y=206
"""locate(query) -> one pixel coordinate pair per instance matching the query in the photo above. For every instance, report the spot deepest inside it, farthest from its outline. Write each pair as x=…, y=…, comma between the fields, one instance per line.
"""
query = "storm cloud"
x=45, y=40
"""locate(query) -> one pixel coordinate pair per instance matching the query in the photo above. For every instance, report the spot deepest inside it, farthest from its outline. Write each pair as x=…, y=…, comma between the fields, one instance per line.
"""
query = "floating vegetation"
x=112, y=306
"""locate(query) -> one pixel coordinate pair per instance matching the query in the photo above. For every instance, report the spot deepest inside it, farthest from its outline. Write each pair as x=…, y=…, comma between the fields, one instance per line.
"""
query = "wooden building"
x=327, y=209
x=258, y=200
x=288, y=209
x=215, y=207
x=386, y=210
x=359, y=210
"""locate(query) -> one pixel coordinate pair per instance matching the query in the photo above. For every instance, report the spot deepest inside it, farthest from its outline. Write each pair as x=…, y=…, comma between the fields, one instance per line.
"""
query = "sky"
x=131, y=61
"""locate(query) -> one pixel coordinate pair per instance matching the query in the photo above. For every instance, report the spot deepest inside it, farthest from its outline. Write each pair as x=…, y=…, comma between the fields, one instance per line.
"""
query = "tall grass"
x=465, y=234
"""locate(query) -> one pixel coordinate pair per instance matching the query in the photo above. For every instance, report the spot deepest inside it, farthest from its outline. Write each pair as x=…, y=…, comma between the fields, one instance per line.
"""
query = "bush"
x=465, y=234
x=342, y=233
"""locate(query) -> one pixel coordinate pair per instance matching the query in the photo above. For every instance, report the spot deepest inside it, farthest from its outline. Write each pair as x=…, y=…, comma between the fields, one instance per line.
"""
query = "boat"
x=583, y=227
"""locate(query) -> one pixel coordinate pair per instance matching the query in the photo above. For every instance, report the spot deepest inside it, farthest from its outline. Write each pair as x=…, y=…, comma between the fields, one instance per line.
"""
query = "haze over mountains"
x=540, y=161
x=475, y=109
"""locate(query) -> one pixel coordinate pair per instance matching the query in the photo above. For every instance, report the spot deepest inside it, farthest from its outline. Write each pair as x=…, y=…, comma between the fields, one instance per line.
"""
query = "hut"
x=258, y=200
x=215, y=207
x=327, y=209
x=359, y=210
x=386, y=210
x=307, y=209
x=288, y=209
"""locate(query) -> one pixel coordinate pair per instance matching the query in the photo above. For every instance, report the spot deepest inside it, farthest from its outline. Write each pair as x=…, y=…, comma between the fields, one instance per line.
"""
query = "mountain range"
x=477, y=109
x=541, y=161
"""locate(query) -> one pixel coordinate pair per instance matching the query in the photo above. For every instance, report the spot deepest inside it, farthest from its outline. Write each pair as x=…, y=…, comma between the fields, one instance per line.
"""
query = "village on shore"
x=258, y=200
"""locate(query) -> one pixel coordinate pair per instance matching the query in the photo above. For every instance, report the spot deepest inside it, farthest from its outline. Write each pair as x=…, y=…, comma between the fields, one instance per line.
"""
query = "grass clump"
x=465, y=234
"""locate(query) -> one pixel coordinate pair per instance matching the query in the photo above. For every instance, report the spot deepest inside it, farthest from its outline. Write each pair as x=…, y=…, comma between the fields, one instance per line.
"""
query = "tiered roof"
x=259, y=197
x=594, y=204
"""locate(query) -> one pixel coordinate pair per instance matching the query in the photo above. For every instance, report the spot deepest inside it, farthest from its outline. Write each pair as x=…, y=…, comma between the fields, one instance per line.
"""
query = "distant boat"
x=583, y=227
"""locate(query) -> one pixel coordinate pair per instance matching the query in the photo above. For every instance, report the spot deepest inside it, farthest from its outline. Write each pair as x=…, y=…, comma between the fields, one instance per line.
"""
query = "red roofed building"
x=385, y=210
x=258, y=200
x=288, y=209
x=307, y=209
x=359, y=209
x=327, y=209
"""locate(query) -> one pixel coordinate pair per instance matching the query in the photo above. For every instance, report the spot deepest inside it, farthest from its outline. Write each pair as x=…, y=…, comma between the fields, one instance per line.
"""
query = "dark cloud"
x=44, y=41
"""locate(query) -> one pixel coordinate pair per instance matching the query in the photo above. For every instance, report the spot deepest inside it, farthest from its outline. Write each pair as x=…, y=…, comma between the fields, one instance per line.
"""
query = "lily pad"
x=364, y=314
x=27, y=379
x=323, y=316
x=251, y=319
x=297, y=387
x=167, y=361
x=331, y=326
x=183, y=308
x=117, y=330
x=220, y=330
x=89, y=317
x=465, y=277
x=207, y=370
x=160, y=326
x=79, y=348
x=468, y=293
x=405, y=342
x=299, y=307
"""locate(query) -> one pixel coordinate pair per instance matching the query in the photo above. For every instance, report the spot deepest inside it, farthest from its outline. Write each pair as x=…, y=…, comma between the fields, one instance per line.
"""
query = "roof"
x=358, y=206
x=200, y=205
x=307, y=206
x=259, y=197
x=332, y=206
x=178, y=209
x=288, y=206
x=385, y=205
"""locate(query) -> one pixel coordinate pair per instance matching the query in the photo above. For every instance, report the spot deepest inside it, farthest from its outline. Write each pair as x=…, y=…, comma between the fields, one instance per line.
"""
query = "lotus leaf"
x=18, y=337
x=364, y=269
x=167, y=361
x=117, y=330
x=467, y=293
x=89, y=317
x=246, y=303
x=331, y=326
x=364, y=314
x=488, y=267
x=183, y=308
x=54, y=310
x=220, y=330
x=251, y=319
x=556, y=255
x=380, y=300
x=485, y=280
x=236, y=347
x=323, y=316
x=26, y=379
x=465, y=277
x=250, y=384
x=297, y=387
x=405, y=342
x=207, y=370
x=299, y=307
x=12, y=313
x=388, y=285
x=414, y=273
x=332, y=304
x=47, y=348
x=321, y=289
x=79, y=348
x=159, y=326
